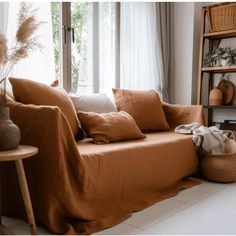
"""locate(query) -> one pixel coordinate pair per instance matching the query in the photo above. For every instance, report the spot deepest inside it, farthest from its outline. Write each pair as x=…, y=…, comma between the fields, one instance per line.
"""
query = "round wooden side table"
x=21, y=152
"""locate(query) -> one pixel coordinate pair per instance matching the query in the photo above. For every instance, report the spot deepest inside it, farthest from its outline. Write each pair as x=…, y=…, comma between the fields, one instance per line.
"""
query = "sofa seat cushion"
x=139, y=172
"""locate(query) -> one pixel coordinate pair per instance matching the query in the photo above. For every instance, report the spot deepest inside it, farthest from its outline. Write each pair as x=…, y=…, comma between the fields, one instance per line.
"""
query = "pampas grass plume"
x=3, y=49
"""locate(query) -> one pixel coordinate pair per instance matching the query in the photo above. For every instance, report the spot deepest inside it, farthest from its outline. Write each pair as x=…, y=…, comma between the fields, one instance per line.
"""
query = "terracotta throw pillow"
x=31, y=92
x=110, y=127
x=144, y=106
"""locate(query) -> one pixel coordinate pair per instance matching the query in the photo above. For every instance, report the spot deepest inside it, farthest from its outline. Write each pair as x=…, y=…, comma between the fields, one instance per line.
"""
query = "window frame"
x=66, y=41
x=66, y=45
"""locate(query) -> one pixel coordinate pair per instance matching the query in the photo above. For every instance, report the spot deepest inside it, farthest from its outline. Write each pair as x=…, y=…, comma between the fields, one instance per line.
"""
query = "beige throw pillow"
x=97, y=102
x=31, y=92
x=144, y=106
x=110, y=127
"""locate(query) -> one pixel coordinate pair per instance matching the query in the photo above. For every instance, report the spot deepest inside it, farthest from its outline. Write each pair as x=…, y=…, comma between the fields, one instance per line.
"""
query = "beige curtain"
x=163, y=48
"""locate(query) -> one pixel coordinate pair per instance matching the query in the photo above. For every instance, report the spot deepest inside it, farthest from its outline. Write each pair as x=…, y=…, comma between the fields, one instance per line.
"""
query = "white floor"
x=208, y=208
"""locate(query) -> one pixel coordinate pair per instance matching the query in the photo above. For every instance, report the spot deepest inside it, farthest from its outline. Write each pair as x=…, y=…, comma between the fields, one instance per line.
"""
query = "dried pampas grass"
x=25, y=35
x=3, y=49
x=26, y=10
x=26, y=29
x=26, y=41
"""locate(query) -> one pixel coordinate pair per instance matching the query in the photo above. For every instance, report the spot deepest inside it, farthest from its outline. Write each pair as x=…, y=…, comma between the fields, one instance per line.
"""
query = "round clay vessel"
x=227, y=89
x=9, y=132
x=215, y=97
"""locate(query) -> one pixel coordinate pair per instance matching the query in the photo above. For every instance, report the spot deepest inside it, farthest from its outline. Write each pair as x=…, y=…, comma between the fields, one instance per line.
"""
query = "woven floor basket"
x=222, y=17
x=220, y=168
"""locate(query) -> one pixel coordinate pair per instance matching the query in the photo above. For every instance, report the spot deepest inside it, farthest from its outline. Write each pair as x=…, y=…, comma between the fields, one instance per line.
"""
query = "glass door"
x=89, y=52
x=56, y=22
x=82, y=47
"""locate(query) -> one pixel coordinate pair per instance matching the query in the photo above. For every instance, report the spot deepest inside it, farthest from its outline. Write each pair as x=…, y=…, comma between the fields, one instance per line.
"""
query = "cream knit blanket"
x=210, y=139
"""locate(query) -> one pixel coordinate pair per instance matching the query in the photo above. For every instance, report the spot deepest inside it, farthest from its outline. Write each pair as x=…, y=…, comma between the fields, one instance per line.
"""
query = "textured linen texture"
x=99, y=103
x=183, y=114
x=82, y=188
x=110, y=127
x=31, y=92
x=145, y=107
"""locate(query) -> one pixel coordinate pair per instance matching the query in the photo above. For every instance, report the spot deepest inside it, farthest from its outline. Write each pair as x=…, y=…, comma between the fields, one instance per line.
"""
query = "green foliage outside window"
x=78, y=11
x=55, y=7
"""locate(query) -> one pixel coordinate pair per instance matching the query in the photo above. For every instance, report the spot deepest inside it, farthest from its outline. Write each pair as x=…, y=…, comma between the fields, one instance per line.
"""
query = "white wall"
x=183, y=20
x=186, y=25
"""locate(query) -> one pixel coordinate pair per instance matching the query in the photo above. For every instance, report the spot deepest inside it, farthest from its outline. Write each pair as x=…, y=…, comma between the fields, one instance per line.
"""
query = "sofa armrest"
x=47, y=128
x=39, y=124
x=183, y=114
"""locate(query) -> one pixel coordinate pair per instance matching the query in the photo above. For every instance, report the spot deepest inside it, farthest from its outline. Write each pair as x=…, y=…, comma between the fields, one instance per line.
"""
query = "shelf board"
x=220, y=107
x=220, y=34
x=220, y=69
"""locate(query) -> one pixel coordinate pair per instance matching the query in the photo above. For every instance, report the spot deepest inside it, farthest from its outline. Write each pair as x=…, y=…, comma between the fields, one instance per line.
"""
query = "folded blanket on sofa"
x=210, y=139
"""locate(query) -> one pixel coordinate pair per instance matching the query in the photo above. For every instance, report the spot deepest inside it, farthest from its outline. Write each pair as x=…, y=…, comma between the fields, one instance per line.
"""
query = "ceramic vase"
x=225, y=62
x=217, y=63
x=215, y=97
x=9, y=132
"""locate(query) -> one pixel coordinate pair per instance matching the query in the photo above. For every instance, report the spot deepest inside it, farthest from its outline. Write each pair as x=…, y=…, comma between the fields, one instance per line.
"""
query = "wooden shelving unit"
x=220, y=35
x=225, y=69
x=220, y=107
x=214, y=39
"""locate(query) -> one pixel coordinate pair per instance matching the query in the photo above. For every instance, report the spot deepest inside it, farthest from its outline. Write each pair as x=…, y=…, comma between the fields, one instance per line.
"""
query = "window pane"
x=107, y=46
x=55, y=10
x=82, y=48
x=93, y=50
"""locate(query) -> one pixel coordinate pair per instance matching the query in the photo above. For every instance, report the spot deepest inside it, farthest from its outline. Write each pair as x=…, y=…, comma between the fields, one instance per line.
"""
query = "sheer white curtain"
x=4, y=10
x=106, y=47
x=96, y=52
x=3, y=16
x=84, y=56
x=40, y=65
x=142, y=56
x=138, y=38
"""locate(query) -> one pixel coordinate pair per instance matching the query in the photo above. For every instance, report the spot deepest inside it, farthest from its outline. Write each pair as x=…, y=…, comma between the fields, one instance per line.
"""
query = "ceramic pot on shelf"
x=9, y=132
x=225, y=62
x=215, y=97
x=227, y=88
x=217, y=63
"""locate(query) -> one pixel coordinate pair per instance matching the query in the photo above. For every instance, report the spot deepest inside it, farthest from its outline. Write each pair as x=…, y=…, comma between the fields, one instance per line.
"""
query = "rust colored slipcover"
x=82, y=187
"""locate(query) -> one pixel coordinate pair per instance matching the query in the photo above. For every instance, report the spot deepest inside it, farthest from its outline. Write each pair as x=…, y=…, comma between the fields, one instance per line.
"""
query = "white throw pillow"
x=98, y=103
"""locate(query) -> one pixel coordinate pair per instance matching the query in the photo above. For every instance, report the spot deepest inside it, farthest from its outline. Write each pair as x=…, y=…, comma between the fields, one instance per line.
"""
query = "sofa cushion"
x=138, y=173
x=31, y=92
x=145, y=107
x=97, y=102
x=110, y=127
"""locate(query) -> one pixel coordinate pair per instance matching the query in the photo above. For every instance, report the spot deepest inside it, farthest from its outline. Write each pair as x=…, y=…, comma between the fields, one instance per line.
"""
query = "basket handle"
x=230, y=134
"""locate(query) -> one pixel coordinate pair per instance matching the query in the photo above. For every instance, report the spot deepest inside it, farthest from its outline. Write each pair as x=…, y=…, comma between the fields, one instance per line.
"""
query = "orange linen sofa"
x=81, y=187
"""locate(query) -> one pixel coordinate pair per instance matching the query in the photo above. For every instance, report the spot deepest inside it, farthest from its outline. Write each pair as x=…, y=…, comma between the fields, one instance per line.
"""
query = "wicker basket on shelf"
x=220, y=168
x=222, y=17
